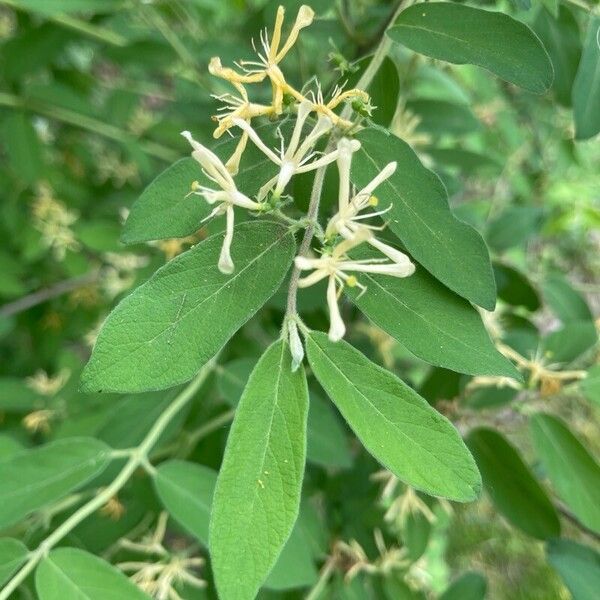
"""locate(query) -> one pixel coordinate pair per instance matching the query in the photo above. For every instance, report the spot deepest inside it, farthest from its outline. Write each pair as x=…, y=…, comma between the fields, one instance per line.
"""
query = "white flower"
x=336, y=265
x=227, y=196
x=299, y=155
x=347, y=221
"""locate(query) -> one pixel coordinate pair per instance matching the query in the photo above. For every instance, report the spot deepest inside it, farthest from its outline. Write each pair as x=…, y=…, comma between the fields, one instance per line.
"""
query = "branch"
x=138, y=457
x=315, y=196
x=43, y=295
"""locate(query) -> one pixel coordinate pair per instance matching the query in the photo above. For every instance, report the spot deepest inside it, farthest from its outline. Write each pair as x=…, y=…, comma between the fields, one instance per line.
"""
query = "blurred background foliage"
x=93, y=95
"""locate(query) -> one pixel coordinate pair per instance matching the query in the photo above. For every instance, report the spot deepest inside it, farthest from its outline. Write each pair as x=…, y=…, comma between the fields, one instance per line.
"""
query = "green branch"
x=137, y=458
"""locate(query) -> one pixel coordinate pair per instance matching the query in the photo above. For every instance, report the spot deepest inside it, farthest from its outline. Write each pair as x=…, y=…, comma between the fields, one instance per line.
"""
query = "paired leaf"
x=432, y=322
x=572, y=470
x=398, y=427
x=31, y=479
x=462, y=34
x=578, y=566
x=13, y=554
x=162, y=333
x=186, y=491
x=586, y=90
x=258, y=489
x=449, y=249
x=72, y=574
x=512, y=487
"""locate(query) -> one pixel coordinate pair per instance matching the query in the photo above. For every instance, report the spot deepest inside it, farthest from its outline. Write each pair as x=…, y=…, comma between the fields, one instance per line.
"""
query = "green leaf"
x=465, y=160
x=34, y=478
x=573, y=472
x=186, y=491
x=513, y=227
x=578, y=566
x=72, y=574
x=383, y=89
x=421, y=217
x=439, y=117
x=512, y=487
x=232, y=378
x=566, y=302
x=462, y=34
x=165, y=209
x=469, y=586
x=162, y=333
x=398, y=427
x=432, y=322
x=54, y=7
x=586, y=90
x=569, y=342
x=590, y=386
x=327, y=442
x=16, y=396
x=258, y=489
x=12, y=555
x=560, y=37
x=22, y=146
x=295, y=566
x=514, y=287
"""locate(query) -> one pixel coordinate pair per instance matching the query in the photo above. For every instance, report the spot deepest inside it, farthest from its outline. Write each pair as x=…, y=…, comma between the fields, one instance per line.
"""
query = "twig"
x=43, y=295
x=315, y=196
x=138, y=458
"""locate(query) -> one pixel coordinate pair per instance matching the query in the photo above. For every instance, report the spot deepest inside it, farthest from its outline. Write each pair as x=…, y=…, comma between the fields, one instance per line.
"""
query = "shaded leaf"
x=186, y=491
x=572, y=470
x=72, y=574
x=578, y=566
x=31, y=479
x=515, y=492
x=13, y=554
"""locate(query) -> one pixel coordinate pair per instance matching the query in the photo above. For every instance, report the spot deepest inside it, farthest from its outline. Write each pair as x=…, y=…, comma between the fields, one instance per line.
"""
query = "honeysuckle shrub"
x=299, y=301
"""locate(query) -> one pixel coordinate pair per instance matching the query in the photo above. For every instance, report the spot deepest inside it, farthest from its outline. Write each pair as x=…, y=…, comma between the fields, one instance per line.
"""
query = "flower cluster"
x=345, y=231
x=297, y=154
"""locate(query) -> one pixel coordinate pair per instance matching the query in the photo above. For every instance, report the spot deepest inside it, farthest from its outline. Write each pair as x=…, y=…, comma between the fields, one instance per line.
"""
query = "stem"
x=89, y=123
x=326, y=572
x=89, y=29
x=315, y=196
x=138, y=458
x=43, y=295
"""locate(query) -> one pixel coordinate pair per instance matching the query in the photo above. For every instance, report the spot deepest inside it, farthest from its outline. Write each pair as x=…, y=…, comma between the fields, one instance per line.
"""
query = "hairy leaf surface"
x=162, y=333
x=258, y=489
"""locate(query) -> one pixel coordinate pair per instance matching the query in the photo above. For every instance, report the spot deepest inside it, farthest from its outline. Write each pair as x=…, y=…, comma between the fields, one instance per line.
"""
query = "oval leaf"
x=461, y=34
x=571, y=469
x=421, y=217
x=31, y=479
x=72, y=574
x=186, y=491
x=512, y=487
x=258, y=489
x=398, y=427
x=432, y=322
x=586, y=90
x=12, y=555
x=162, y=333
